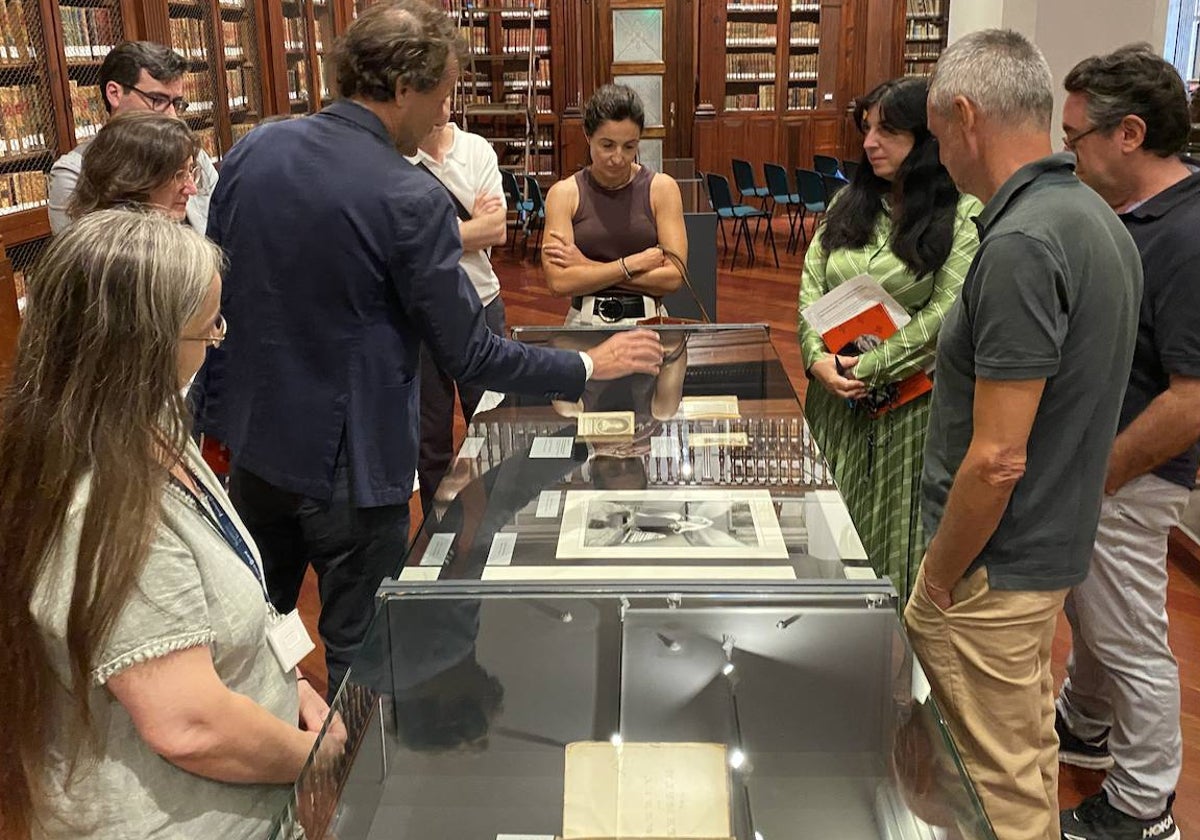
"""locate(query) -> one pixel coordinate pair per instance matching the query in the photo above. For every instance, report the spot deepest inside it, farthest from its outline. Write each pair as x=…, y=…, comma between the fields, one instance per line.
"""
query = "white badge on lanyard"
x=289, y=640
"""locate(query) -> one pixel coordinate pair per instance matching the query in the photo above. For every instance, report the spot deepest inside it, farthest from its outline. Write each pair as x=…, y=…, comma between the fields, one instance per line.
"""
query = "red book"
x=865, y=331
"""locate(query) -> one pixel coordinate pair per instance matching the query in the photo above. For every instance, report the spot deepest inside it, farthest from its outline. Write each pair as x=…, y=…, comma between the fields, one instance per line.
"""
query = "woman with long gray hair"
x=141, y=696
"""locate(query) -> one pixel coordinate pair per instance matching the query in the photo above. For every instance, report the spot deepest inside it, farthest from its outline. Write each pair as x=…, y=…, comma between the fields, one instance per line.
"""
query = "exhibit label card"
x=709, y=408
x=548, y=502
x=551, y=447
x=704, y=439
x=436, y=551
x=502, y=549
x=471, y=447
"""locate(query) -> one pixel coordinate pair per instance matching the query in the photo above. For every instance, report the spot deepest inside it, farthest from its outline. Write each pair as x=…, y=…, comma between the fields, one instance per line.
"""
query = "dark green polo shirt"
x=1052, y=294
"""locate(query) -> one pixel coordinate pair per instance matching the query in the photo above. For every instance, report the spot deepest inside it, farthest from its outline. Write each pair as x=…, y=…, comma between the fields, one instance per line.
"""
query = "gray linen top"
x=194, y=590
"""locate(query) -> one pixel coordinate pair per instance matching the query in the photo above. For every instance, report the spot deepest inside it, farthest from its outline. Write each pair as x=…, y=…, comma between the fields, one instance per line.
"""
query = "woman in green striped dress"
x=902, y=222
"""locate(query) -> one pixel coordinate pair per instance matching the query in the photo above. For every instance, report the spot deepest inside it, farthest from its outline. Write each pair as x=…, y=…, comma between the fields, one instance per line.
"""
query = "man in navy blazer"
x=343, y=257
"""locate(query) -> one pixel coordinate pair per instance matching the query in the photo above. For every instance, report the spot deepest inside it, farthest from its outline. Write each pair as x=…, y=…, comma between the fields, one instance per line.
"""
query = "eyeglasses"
x=194, y=174
x=1070, y=142
x=160, y=102
x=219, y=326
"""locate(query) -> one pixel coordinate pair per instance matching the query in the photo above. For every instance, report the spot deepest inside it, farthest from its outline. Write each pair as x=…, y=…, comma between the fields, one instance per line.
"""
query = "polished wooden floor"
x=763, y=293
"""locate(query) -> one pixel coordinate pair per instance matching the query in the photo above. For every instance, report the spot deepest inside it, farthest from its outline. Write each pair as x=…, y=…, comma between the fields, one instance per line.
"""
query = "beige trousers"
x=988, y=661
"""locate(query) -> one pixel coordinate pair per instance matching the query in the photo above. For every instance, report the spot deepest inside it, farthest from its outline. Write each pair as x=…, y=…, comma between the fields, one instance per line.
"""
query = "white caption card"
x=548, y=502
x=664, y=447
x=551, y=447
x=471, y=447
x=859, y=573
x=438, y=548
x=502, y=549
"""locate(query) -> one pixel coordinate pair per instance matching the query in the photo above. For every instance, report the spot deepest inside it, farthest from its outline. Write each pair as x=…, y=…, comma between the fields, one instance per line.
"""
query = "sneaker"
x=1095, y=819
x=1092, y=755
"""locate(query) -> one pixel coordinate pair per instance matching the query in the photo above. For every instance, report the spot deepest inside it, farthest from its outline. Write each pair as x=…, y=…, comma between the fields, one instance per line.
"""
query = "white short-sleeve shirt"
x=470, y=169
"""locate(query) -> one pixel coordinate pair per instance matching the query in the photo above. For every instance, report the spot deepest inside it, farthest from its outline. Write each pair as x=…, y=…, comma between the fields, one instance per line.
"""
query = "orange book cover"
x=864, y=332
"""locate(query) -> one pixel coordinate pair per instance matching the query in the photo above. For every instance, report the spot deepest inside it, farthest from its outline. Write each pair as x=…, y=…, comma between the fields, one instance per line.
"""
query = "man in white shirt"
x=135, y=76
x=467, y=167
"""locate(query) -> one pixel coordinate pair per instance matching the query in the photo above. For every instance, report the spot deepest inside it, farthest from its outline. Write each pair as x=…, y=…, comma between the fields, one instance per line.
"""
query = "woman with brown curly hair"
x=140, y=158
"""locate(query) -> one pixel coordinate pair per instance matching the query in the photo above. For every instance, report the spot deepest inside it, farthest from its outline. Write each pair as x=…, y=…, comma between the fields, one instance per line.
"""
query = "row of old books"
x=925, y=8
x=88, y=33
x=235, y=84
x=208, y=141
x=741, y=33
x=240, y=130
x=802, y=98
x=24, y=111
x=298, y=82
x=197, y=90
x=518, y=40
x=294, y=34
x=749, y=67
x=15, y=44
x=764, y=100
x=802, y=67
x=187, y=38
x=541, y=77
x=87, y=109
x=233, y=36
x=22, y=191
x=805, y=32
x=923, y=30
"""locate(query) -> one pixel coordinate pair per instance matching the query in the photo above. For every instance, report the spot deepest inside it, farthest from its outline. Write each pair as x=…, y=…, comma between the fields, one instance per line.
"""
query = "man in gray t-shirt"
x=1031, y=369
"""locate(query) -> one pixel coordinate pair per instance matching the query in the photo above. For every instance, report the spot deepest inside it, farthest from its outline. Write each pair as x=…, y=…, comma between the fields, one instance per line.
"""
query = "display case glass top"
x=707, y=471
x=760, y=712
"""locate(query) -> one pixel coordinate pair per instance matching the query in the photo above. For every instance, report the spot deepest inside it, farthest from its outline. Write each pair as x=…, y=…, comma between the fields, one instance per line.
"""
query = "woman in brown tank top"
x=608, y=225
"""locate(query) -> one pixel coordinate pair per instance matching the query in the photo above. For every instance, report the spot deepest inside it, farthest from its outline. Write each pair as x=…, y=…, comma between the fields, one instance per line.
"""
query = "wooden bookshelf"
x=501, y=35
x=926, y=23
x=223, y=41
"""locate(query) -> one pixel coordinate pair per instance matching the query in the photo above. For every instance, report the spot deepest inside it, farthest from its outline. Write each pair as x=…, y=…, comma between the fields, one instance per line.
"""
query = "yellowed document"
x=709, y=408
x=645, y=790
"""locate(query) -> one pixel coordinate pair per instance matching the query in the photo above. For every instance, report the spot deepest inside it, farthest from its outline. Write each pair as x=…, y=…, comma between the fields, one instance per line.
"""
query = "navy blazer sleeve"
x=444, y=308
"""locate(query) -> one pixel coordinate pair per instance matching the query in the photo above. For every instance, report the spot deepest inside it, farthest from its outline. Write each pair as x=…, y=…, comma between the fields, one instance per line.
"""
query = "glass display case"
x=759, y=711
x=642, y=615
x=710, y=472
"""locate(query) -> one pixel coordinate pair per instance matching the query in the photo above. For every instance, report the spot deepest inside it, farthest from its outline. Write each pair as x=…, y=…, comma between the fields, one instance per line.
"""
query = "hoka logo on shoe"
x=1159, y=828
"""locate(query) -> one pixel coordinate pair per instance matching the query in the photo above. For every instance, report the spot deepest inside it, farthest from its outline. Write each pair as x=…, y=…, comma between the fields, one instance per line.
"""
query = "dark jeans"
x=437, y=412
x=352, y=550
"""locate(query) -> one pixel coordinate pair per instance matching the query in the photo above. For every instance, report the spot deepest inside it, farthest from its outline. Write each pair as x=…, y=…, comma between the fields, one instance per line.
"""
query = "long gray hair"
x=94, y=393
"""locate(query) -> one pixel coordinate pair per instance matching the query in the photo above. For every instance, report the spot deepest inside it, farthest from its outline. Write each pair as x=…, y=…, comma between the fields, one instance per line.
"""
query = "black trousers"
x=352, y=549
x=437, y=412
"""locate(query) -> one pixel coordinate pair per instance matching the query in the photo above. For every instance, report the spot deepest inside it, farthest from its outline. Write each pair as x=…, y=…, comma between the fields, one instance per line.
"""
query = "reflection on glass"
x=463, y=708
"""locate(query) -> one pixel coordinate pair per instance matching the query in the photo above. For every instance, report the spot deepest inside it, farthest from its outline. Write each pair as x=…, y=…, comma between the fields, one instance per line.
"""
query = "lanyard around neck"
x=216, y=516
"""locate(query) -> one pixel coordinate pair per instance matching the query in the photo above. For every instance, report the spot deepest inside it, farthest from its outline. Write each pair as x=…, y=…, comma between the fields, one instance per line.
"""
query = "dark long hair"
x=923, y=228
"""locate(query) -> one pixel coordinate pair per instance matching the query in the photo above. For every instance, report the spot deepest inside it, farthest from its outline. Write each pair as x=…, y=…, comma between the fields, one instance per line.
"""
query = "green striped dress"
x=877, y=463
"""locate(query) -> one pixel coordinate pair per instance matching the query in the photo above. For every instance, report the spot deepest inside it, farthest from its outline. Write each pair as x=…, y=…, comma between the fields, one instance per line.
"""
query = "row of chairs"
x=530, y=206
x=813, y=190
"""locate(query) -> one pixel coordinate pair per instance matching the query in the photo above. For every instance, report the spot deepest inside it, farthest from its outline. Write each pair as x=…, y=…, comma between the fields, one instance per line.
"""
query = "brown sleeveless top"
x=610, y=224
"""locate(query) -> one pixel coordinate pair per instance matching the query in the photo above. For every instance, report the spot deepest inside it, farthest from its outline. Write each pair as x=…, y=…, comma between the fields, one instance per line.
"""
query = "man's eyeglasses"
x=1069, y=141
x=220, y=328
x=160, y=102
